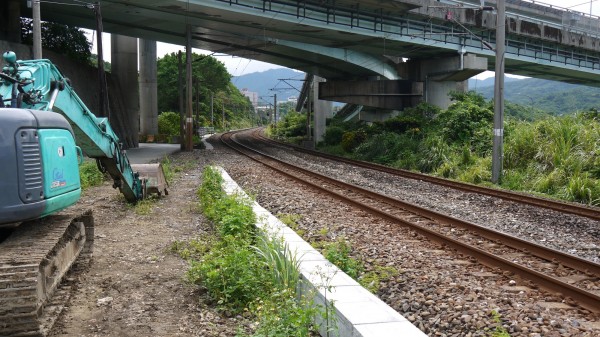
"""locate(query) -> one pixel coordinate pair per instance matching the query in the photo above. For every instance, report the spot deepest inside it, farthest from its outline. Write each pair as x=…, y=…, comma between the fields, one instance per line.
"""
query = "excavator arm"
x=44, y=127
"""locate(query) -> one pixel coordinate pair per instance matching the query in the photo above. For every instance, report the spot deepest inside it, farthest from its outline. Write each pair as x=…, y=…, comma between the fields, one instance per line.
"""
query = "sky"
x=239, y=66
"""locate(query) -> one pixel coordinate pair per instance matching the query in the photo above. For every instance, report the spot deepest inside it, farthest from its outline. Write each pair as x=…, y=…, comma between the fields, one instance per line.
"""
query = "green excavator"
x=45, y=131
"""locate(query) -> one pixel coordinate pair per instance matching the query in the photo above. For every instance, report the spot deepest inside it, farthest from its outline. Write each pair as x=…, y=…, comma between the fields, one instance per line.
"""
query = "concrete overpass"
x=387, y=54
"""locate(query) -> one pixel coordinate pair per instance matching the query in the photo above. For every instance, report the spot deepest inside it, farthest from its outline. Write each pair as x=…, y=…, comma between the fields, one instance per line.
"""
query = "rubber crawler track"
x=33, y=262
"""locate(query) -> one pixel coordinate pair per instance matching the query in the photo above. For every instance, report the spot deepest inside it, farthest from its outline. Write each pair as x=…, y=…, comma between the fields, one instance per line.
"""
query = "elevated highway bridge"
x=385, y=54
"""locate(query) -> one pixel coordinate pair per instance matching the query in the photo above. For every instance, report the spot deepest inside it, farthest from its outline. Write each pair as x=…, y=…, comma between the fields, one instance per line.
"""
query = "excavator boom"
x=31, y=93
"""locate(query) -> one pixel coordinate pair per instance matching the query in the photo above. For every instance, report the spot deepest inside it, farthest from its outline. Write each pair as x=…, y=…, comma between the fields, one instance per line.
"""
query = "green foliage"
x=144, y=207
x=233, y=214
x=260, y=280
x=352, y=139
x=90, y=175
x=386, y=148
x=231, y=272
x=338, y=253
x=282, y=264
x=499, y=331
x=168, y=123
x=467, y=118
x=293, y=124
x=283, y=315
x=212, y=74
x=434, y=152
x=333, y=135
x=557, y=156
x=372, y=280
x=70, y=41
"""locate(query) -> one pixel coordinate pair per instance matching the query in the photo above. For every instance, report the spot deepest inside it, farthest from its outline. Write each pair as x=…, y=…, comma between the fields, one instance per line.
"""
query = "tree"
x=62, y=39
x=212, y=74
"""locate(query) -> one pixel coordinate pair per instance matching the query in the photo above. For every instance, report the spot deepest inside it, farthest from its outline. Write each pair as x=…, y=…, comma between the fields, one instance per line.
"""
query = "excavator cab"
x=45, y=129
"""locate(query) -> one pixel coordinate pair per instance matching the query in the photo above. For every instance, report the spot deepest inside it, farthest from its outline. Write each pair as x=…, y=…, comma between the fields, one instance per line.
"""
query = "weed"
x=260, y=279
x=144, y=207
x=280, y=261
x=90, y=175
x=338, y=253
x=500, y=331
x=372, y=280
x=232, y=274
x=168, y=172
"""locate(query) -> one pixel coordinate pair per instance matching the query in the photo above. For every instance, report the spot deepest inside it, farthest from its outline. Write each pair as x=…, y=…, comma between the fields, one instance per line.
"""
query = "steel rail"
x=586, y=299
x=570, y=208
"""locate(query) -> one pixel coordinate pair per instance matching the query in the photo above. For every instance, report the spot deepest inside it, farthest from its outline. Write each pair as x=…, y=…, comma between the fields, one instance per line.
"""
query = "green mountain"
x=556, y=98
x=266, y=83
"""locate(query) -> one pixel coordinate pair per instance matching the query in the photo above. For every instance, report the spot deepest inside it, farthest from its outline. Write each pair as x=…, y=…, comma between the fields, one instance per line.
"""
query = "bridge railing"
x=425, y=32
x=570, y=19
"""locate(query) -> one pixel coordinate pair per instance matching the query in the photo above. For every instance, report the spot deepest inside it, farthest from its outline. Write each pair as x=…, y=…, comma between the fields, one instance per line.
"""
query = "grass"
x=90, y=175
x=243, y=271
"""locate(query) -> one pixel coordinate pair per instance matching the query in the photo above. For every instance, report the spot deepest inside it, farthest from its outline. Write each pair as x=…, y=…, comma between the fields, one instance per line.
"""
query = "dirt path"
x=135, y=286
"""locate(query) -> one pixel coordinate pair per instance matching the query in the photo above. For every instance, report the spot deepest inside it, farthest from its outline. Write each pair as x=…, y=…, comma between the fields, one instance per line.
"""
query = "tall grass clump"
x=90, y=175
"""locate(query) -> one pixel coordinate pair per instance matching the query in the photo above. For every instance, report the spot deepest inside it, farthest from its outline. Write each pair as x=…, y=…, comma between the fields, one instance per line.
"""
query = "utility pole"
x=188, y=80
x=37, y=29
x=223, y=109
x=180, y=96
x=275, y=109
x=497, y=151
x=212, y=116
x=103, y=95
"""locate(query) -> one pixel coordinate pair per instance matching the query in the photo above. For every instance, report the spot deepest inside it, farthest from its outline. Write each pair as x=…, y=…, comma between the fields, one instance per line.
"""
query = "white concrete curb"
x=358, y=312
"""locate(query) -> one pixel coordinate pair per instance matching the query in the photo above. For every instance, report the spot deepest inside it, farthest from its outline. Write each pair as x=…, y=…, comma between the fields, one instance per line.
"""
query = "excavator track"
x=34, y=259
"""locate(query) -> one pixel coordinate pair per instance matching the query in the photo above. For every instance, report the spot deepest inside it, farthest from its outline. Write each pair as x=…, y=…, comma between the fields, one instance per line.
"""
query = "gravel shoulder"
x=135, y=286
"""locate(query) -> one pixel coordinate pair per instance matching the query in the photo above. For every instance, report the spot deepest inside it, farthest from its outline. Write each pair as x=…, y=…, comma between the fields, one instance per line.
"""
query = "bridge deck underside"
x=257, y=30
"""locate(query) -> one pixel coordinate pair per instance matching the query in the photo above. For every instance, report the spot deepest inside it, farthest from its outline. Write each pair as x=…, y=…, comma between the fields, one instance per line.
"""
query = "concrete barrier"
x=357, y=312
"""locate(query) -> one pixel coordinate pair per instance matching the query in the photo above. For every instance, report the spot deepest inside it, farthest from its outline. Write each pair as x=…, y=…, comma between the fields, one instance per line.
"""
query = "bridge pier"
x=441, y=76
x=124, y=58
x=322, y=110
x=148, y=88
x=10, y=25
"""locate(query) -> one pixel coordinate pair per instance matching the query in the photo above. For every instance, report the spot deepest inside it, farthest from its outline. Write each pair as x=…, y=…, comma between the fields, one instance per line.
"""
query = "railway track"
x=570, y=208
x=572, y=277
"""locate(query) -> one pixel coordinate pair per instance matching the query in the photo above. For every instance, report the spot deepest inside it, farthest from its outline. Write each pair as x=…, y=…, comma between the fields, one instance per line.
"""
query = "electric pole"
x=37, y=29
x=188, y=80
x=275, y=109
x=497, y=151
x=212, y=116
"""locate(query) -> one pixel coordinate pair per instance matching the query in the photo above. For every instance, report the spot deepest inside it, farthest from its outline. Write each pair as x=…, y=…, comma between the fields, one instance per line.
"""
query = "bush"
x=434, y=152
x=333, y=135
x=382, y=148
x=168, y=123
x=90, y=175
x=232, y=274
x=338, y=253
x=352, y=139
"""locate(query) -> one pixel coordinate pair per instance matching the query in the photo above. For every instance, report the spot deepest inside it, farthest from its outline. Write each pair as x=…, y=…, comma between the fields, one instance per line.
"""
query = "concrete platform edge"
x=358, y=313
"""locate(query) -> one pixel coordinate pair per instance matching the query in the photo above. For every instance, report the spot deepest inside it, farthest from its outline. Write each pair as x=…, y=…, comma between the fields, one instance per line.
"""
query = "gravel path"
x=441, y=292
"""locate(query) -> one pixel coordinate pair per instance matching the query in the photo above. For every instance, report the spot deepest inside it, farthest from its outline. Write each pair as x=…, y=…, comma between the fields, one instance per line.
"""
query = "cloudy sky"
x=239, y=66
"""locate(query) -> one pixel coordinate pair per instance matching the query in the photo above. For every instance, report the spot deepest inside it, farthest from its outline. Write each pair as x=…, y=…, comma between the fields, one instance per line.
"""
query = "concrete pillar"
x=322, y=111
x=10, y=25
x=440, y=76
x=124, y=60
x=148, y=88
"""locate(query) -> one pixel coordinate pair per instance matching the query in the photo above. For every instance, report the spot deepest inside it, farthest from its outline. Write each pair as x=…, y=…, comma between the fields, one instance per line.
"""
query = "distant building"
x=293, y=99
x=252, y=96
